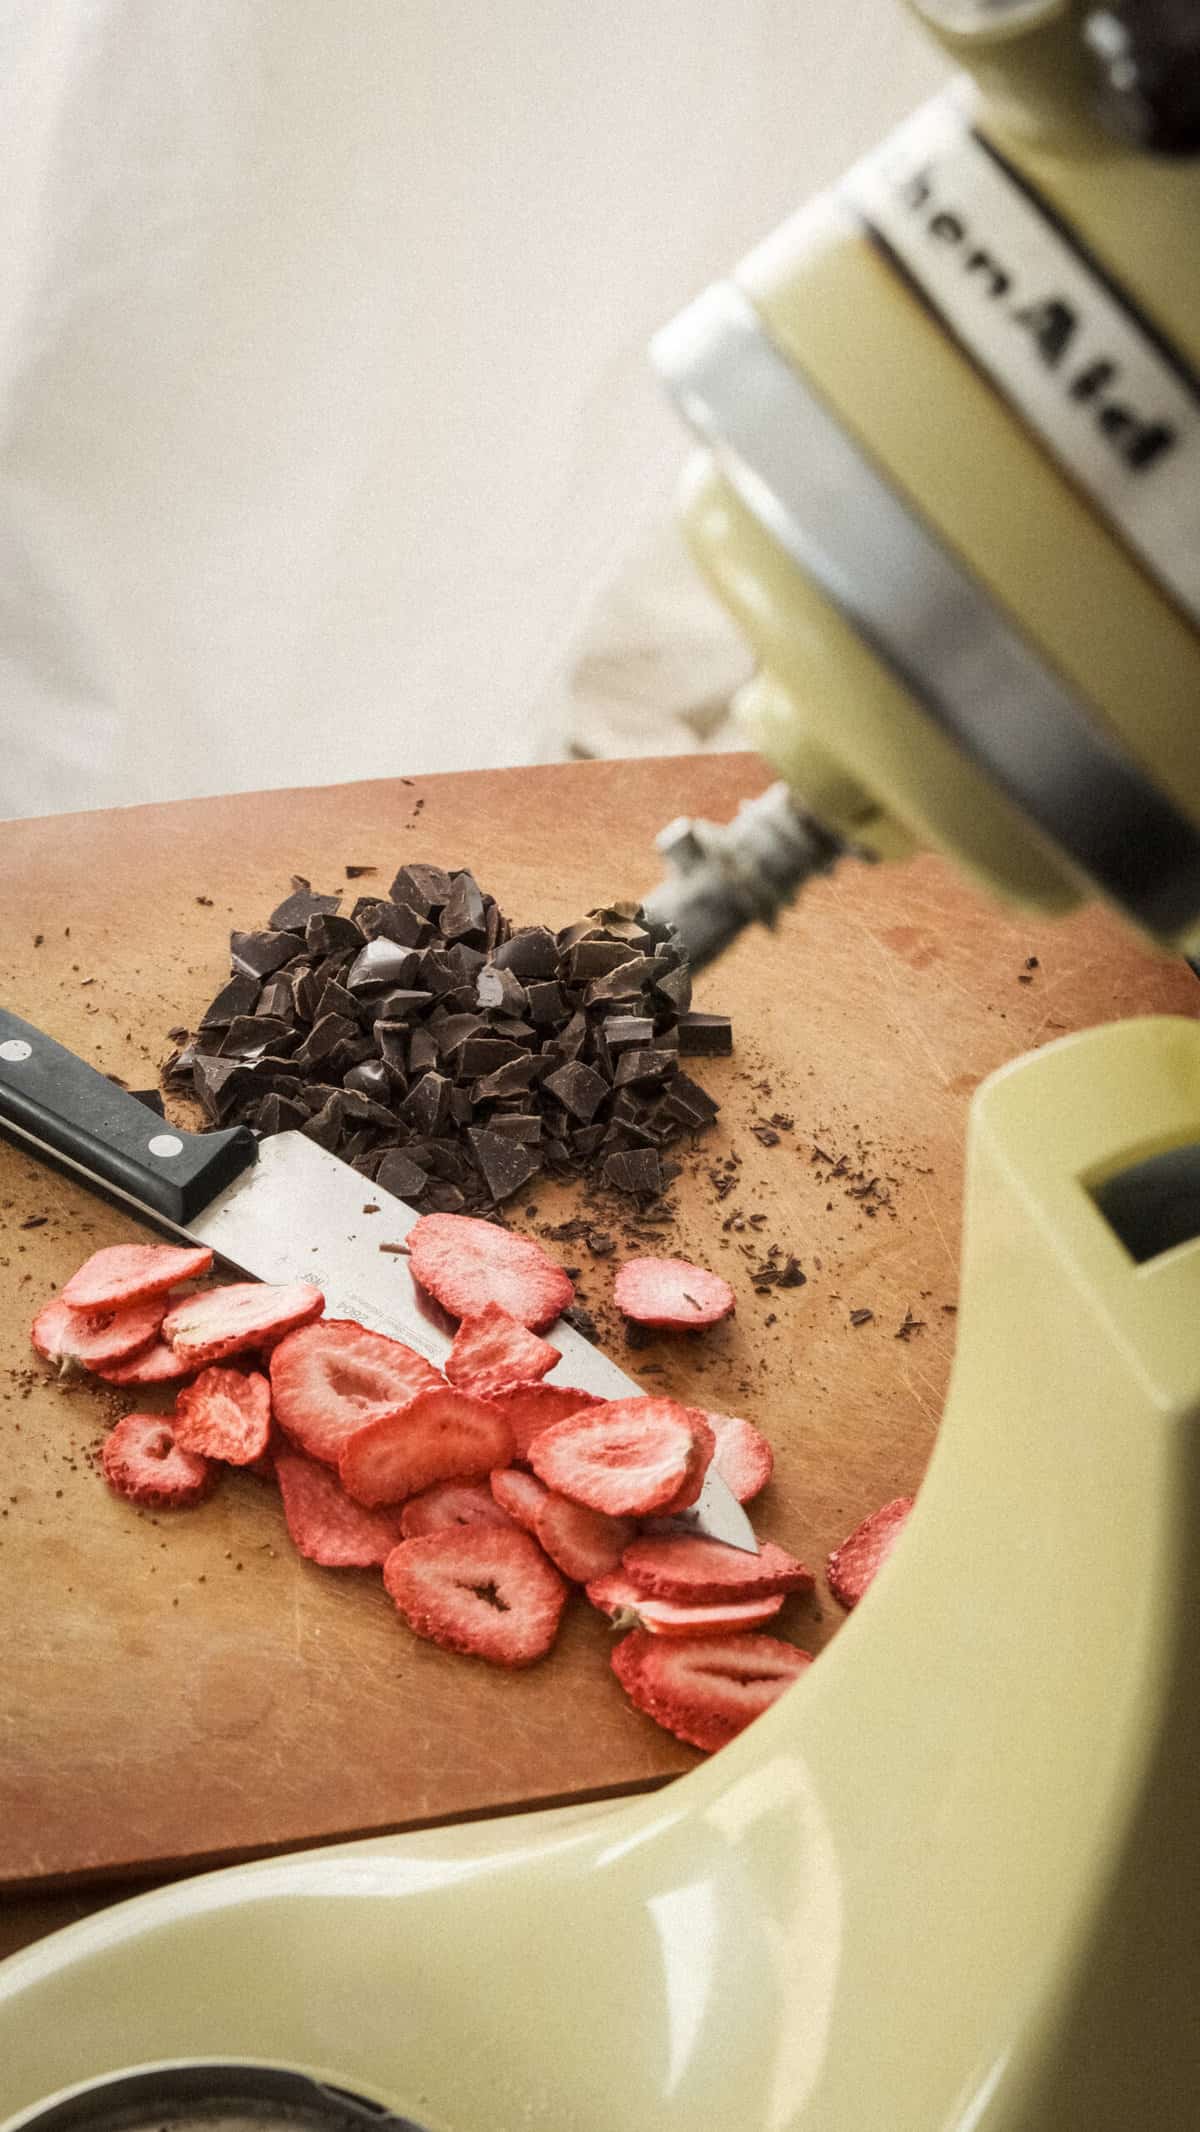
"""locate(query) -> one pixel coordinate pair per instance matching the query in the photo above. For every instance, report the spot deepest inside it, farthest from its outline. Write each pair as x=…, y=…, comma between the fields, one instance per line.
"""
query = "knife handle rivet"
x=15, y=1051
x=165, y=1145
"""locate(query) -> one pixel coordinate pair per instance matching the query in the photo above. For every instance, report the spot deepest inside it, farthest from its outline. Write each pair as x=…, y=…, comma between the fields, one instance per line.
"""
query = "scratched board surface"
x=183, y=1688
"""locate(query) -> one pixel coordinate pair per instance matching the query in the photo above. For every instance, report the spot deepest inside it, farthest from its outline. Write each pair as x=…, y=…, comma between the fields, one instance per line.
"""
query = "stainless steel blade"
x=300, y=1214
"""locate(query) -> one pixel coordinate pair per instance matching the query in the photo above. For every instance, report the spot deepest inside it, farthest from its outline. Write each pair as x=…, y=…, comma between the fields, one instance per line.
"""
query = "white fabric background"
x=324, y=412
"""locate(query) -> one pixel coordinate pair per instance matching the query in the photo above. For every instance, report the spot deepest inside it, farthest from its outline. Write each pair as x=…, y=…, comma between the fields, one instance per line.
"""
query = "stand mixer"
x=944, y=1885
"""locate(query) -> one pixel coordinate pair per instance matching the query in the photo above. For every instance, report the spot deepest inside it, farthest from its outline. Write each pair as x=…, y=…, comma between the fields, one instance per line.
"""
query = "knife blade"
x=281, y=1209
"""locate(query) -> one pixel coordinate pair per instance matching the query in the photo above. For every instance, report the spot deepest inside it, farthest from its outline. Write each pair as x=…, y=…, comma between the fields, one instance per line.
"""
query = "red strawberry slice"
x=156, y=1364
x=704, y=1443
x=225, y=1414
x=225, y=1321
x=476, y=1589
x=582, y=1543
x=704, y=1572
x=126, y=1273
x=439, y=1436
x=143, y=1462
x=629, y=1457
x=743, y=1457
x=521, y=1494
x=95, y=1338
x=492, y=1351
x=854, y=1565
x=324, y=1524
x=618, y=1596
x=706, y=1689
x=530, y=1408
x=331, y=1377
x=467, y=1264
x=451, y=1503
x=669, y=1291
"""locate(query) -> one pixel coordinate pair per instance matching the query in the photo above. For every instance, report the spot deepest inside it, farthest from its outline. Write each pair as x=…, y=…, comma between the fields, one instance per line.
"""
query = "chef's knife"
x=280, y=1209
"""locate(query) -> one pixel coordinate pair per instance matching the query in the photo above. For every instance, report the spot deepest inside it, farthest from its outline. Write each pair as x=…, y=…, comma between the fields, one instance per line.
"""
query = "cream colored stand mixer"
x=952, y=433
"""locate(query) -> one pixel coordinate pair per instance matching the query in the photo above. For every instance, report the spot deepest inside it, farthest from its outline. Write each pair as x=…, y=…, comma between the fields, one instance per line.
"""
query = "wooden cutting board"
x=179, y=1690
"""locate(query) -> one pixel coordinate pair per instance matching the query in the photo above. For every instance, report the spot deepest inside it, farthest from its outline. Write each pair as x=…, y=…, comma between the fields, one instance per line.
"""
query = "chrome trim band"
x=924, y=614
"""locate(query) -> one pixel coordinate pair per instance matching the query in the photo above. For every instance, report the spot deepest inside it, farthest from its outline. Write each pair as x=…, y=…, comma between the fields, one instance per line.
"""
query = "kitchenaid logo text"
x=1052, y=329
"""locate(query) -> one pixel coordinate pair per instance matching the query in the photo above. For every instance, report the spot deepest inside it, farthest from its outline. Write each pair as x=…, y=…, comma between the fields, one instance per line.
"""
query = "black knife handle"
x=45, y=1091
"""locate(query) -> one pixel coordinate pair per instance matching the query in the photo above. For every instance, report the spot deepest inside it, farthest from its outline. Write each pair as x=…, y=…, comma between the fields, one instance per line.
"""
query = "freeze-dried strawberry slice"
x=156, y=1364
x=743, y=1457
x=706, y=1689
x=703, y=1572
x=126, y=1273
x=704, y=1444
x=492, y=1351
x=225, y=1414
x=669, y=1291
x=520, y=1493
x=325, y=1526
x=143, y=1462
x=583, y=1543
x=467, y=1264
x=225, y=1321
x=629, y=1457
x=439, y=1436
x=489, y=1593
x=530, y=1408
x=618, y=1596
x=331, y=1377
x=853, y=1565
x=97, y=1339
x=451, y=1503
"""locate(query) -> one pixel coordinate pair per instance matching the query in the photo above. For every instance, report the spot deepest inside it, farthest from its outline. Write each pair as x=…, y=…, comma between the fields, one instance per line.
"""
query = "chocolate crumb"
x=206, y=901
x=861, y=1317
x=396, y=1250
x=355, y=873
x=38, y=939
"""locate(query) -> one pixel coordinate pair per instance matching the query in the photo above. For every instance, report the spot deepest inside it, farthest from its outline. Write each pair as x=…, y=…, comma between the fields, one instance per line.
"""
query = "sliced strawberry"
x=704, y=1444
x=743, y=1457
x=479, y=1590
x=225, y=1321
x=143, y=1462
x=583, y=1543
x=618, y=1596
x=451, y=1503
x=706, y=1689
x=669, y=1291
x=330, y=1377
x=492, y=1351
x=439, y=1436
x=629, y=1457
x=530, y=1408
x=853, y=1565
x=97, y=1339
x=521, y=1494
x=703, y=1572
x=127, y=1273
x=467, y=1264
x=225, y=1414
x=156, y=1364
x=325, y=1526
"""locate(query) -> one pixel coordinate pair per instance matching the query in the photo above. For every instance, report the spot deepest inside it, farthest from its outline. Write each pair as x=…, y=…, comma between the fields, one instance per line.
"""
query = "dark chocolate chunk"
x=508, y=1080
x=529, y=952
x=335, y=999
x=323, y=1039
x=628, y=981
x=585, y=1142
x=381, y=962
x=442, y=1158
x=239, y=996
x=427, y=1104
x=377, y=920
x=371, y=1078
x=641, y=1064
x=705, y=1035
x=547, y=1005
x=465, y=962
x=249, y=1035
x=571, y=1038
x=455, y=1029
x=399, y=1006
x=278, y=1114
x=622, y=1030
x=484, y=1055
x=177, y=1073
x=698, y=1100
x=327, y=934
x=325, y=1126
x=422, y=1051
x=213, y=1081
x=259, y=954
x=635, y=1170
x=277, y=999
x=514, y=1031
x=515, y=1125
x=442, y=1198
x=504, y=1163
x=463, y=916
x=293, y=914
x=596, y=958
x=567, y=935
x=400, y=1175
x=498, y=988
x=675, y=986
x=423, y=888
x=579, y=1088
x=391, y=1040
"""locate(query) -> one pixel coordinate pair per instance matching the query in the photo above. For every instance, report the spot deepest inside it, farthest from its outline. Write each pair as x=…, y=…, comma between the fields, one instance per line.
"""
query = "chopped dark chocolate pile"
x=450, y=1058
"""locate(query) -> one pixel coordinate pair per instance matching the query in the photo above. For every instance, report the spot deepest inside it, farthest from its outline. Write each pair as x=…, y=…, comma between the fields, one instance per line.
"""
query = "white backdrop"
x=323, y=404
